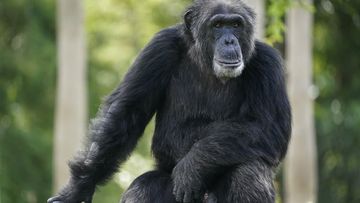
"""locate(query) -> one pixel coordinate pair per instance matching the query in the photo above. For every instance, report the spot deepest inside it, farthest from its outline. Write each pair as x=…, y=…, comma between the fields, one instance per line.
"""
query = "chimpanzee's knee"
x=250, y=183
x=153, y=186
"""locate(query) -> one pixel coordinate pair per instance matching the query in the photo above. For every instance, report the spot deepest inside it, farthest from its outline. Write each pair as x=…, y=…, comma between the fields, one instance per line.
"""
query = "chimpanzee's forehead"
x=204, y=10
x=225, y=7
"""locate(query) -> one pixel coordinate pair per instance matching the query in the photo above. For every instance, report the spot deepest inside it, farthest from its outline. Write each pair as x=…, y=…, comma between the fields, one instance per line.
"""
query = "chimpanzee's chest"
x=192, y=94
x=191, y=103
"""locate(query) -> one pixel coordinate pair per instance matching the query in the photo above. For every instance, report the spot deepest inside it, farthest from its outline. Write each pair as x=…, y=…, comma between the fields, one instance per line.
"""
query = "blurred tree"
x=71, y=105
x=259, y=8
x=300, y=166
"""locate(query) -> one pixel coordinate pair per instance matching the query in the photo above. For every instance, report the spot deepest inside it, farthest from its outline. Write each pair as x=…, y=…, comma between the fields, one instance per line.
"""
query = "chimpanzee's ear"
x=188, y=17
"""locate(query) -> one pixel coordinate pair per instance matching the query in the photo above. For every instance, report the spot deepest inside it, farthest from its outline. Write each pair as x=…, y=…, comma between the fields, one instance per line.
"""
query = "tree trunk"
x=259, y=7
x=301, y=163
x=71, y=105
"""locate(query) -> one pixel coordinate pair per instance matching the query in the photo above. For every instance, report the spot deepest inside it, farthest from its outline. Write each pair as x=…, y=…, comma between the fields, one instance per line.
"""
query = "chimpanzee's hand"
x=188, y=185
x=74, y=193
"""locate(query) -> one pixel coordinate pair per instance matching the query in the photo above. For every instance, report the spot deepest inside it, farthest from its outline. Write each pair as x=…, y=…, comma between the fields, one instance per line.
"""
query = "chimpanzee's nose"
x=229, y=40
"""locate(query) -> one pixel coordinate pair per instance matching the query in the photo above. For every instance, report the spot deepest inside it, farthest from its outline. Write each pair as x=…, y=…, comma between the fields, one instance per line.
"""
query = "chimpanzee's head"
x=221, y=35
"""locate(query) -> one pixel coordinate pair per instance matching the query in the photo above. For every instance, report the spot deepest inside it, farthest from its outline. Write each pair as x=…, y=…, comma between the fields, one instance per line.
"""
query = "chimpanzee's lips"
x=229, y=63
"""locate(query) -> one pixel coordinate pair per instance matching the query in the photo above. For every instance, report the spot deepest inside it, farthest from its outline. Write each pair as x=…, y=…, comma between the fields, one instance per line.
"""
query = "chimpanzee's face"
x=223, y=33
x=226, y=31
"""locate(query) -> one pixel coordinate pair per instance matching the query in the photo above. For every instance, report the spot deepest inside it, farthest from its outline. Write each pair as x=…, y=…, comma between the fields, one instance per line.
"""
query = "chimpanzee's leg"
x=151, y=187
x=250, y=183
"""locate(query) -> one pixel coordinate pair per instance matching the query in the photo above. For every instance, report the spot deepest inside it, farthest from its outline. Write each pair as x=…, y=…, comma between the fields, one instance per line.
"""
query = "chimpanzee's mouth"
x=229, y=64
x=228, y=69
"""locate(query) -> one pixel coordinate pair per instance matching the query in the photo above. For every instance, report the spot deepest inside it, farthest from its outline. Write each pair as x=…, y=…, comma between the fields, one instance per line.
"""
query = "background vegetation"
x=116, y=31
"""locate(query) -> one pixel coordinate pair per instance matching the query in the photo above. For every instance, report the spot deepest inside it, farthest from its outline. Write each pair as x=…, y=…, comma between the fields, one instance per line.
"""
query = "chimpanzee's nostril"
x=229, y=41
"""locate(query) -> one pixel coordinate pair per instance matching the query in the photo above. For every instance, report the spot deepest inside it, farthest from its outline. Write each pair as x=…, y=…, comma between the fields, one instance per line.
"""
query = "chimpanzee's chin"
x=228, y=70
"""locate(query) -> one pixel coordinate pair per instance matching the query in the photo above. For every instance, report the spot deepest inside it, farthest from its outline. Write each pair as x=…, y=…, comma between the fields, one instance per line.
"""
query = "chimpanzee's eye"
x=236, y=24
x=217, y=25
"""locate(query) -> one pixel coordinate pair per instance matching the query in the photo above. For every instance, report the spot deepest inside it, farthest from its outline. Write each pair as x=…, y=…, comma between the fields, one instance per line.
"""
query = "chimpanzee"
x=223, y=118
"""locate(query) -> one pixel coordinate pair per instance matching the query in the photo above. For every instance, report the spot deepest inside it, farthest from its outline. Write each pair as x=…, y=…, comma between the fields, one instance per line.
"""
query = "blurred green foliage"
x=116, y=32
x=337, y=70
x=27, y=82
x=276, y=10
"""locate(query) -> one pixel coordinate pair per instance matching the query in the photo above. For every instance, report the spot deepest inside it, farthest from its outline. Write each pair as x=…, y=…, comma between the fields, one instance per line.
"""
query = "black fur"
x=215, y=140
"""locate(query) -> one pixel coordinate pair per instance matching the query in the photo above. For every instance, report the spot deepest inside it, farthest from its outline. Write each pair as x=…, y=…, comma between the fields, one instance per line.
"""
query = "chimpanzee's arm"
x=123, y=117
x=261, y=133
